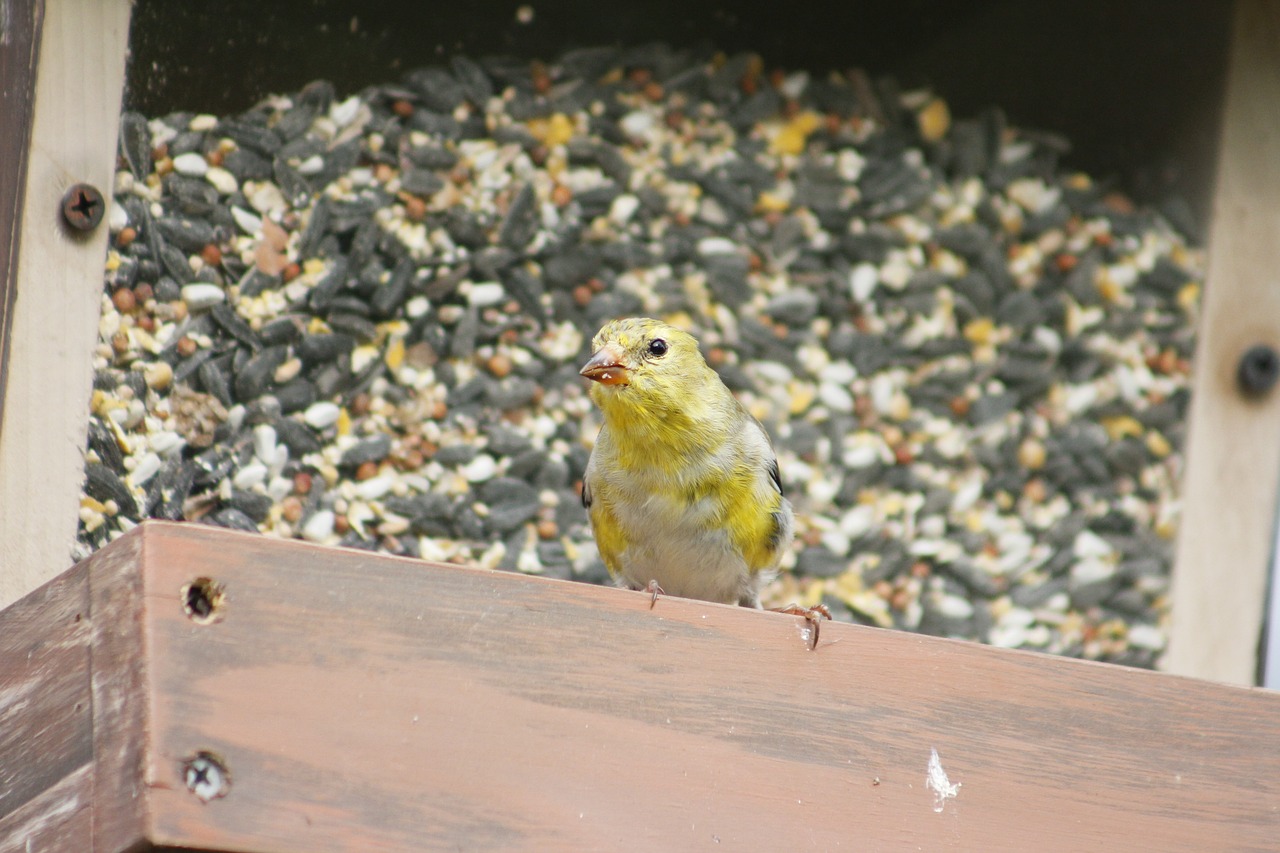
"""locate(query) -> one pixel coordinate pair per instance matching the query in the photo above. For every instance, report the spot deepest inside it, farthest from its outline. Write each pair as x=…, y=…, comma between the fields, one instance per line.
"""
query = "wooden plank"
x=372, y=703
x=56, y=821
x=73, y=703
x=1233, y=457
x=45, y=711
x=19, y=50
x=59, y=289
x=46, y=732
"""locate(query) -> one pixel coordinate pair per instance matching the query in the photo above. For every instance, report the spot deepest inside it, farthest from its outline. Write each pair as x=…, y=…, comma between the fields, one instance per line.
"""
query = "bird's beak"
x=606, y=366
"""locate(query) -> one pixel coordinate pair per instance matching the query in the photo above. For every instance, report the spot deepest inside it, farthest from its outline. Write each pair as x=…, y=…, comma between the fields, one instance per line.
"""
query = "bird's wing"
x=611, y=539
x=759, y=518
x=764, y=446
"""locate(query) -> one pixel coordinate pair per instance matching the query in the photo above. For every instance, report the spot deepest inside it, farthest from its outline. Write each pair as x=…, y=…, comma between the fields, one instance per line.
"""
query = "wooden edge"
x=19, y=52
x=362, y=702
x=46, y=731
x=121, y=695
x=1233, y=454
x=54, y=321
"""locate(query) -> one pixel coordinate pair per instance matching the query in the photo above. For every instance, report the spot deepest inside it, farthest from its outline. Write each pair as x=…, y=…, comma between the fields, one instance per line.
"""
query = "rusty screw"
x=83, y=207
x=1258, y=370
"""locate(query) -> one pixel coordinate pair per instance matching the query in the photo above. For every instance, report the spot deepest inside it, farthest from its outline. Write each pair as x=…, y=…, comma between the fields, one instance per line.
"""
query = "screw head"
x=83, y=207
x=206, y=775
x=1258, y=370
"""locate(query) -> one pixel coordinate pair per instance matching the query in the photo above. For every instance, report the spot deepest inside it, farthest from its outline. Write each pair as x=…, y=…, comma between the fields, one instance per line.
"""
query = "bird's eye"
x=657, y=347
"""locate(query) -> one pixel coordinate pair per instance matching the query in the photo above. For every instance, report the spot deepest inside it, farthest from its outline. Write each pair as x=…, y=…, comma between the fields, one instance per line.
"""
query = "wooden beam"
x=56, y=301
x=1233, y=458
x=362, y=702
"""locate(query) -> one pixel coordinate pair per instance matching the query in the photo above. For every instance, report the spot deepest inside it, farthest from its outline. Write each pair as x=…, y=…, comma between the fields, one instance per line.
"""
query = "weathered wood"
x=44, y=690
x=59, y=289
x=373, y=703
x=121, y=695
x=19, y=50
x=57, y=821
x=1233, y=458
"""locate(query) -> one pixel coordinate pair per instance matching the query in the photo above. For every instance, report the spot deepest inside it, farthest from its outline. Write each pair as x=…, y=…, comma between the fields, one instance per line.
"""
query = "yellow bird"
x=682, y=487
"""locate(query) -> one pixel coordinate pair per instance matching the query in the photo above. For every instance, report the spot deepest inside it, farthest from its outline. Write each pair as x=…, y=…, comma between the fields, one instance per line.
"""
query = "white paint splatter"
x=938, y=782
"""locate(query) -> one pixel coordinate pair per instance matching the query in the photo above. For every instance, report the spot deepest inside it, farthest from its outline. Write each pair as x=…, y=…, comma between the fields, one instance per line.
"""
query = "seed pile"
x=359, y=321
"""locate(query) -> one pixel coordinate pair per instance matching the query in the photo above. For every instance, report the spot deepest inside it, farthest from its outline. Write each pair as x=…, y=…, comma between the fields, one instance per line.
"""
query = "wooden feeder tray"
x=196, y=688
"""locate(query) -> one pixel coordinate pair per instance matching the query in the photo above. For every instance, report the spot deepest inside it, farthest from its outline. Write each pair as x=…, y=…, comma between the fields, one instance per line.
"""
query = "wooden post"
x=358, y=702
x=57, y=290
x=1233, y=459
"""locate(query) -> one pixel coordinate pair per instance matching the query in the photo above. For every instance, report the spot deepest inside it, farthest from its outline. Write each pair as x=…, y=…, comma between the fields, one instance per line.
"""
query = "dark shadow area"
x=1135, y=87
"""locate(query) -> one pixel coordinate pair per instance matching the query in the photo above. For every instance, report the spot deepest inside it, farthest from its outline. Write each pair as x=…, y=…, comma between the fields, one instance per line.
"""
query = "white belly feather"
x=685, y=555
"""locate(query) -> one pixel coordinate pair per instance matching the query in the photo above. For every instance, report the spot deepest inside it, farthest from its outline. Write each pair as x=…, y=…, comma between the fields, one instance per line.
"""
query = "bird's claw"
x=654, y=590
x=813, y=615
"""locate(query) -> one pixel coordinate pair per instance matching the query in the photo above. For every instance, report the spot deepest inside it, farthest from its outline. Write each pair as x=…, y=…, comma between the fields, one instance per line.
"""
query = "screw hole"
x=203, y=601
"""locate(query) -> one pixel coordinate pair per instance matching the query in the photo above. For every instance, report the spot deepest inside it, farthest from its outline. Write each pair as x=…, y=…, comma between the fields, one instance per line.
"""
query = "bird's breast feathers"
x=705, y=526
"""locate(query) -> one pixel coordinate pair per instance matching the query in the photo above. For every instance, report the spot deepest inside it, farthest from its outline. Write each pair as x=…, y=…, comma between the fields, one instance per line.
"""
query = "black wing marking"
x=776, y=475
x=778, y=525
x=586, y=493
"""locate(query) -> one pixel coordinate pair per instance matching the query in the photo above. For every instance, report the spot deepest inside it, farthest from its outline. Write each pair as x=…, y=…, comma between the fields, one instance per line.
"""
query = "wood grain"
x=372, y=703
x=1233, y=456
x=46, y=737
x=122, y=695
x=59, y=820
x=19, y=51
x=59, y=290
x=46, y=730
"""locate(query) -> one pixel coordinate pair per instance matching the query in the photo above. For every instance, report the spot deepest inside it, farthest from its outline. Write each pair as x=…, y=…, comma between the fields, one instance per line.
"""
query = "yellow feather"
x=610, y=538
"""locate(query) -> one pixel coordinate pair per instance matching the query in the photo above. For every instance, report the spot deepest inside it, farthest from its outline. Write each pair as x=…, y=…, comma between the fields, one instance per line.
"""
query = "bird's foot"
x=813, y=615
x=654, y=590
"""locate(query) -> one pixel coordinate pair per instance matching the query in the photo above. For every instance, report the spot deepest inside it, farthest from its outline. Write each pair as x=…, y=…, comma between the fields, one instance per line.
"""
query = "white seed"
x=265, y=197
x=319, y=527
x=249, y=223
x=249, y=476
x=623, y=208
x=166, y=442
x=482, y=468
x=146, y=468
x=222, y=180
x=117, y=218
x=201, y=296
x=264, y=442
x=375, y=487
x=717, y=246
x=191, y=164
x=486, y=293
x=1146, y=637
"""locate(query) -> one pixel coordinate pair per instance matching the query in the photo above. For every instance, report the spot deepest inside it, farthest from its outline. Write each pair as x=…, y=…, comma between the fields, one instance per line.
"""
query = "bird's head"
x=643, y=359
